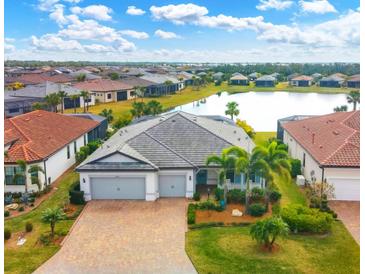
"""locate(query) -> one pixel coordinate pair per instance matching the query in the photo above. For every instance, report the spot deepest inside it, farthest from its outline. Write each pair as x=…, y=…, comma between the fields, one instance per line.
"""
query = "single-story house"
x=218, y=76
x=354, y=81
x=238, y=79
x=160, y=88
x=186, y=76
x=332, y=81
x=38, y=78
x=301, y=81
x=291, y=76
x=265, y=81
x=14, y=106
x=105, y=90
x=316, y=77
x=280, y=122
x=137, y=82
x=253, y=76
x=37, y=93
x=47, y=139
x=329, y=149
x=88, y=74
x=161, y=157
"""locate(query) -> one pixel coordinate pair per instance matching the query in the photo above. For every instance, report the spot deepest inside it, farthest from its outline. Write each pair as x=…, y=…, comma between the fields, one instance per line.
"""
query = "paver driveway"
x=125, y=237
x=349, y=213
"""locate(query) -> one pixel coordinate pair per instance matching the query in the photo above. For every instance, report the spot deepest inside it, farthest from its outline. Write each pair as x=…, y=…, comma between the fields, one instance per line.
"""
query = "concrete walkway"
x=125, y=237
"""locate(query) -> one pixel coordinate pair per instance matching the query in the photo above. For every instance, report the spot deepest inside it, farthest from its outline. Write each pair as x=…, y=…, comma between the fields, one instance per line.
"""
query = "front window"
x=75, y=147
x=303, y=159
x=68, y=152
x=10, y=174
x=85, y=140
x=109, y=96
x=230, y=176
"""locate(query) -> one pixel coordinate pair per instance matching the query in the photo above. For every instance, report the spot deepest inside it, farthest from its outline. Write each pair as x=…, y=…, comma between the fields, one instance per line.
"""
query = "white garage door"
x=172, y=185
x=118, y=188
x=346, y=189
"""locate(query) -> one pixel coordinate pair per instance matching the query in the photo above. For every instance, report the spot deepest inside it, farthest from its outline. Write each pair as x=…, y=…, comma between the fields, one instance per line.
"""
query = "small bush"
x=257, y=194
x=276, y=209
x=257, y=210
x=305, y=219
x=219, y=194
x=76, y=196
x=274, y=196
x=7, y=233
x=31, y=199
x=28, y=227
x=44, y=239
x=191, y=214
x=208, y=205
x=205, y=225
x=6, y=213
x=296, y=167
x=196, y=196
x=21, y=209
x=236, y=196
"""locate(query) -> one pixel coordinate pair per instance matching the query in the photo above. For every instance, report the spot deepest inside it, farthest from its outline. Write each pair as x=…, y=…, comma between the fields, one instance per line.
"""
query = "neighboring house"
x=301, y=81
x=38, y=78
x=239, y=80
x=329, y=149
x=266, y=81
x=187, y=77
x=105, y=90
x=332, y=81
x=42, y=138
x=37, y=93
x=218, y=76
x=280, y=122
x=316, y=77
x=354, y=81
x=161, y=157
x=276, y=75
x=291, y=76
x=88, y=74
x=253, y=76
x=159, y=87
x=98, y=133
x=14, y=106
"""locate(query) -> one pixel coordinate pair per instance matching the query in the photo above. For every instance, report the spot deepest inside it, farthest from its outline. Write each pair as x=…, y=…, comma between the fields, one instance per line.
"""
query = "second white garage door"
x=118, y=188
x=346, y=189
x=172, y=185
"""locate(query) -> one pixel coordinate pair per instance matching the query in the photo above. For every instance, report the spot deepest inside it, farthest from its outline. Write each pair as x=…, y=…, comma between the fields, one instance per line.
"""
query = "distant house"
x=46, y=139
x=88, y=74
x=328, y=147
x=137, y=82
x=266, y=81
x=282, y=121
x=253, y=76
x=186, y=76
x=354, y=81
x=39, y=78
x=291, y=76
x=275, y=75
x=160, y=86
x=218, y=76
x=37, y=93
x=238, y=79
x=14, y=106
x=99, y=132
x=332, y=81
x=105, y=90
x=301, y=81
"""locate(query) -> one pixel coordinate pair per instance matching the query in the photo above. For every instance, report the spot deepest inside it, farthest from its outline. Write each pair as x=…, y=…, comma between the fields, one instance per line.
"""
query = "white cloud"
x=135, y=34
x=274, y=4
x=97, y=48
x=57, y=15
x=317, y=6
x=166, y=34
x=8, y=48
x=48, y=5
x=179, y=14
x=99, y=12
x=54, y=43
x=9, y=40
x=133, y=10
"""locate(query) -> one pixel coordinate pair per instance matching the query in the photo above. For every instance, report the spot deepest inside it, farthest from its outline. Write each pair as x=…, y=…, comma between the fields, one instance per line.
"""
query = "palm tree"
x=62, y=95
x=167, y=85
x=340, y=108
x=354, y=98
x=52, y=100
x=248, y=164
x=232, y=109
x=81, y=77
x=21, y=175
x=52, y=216
x=35, y=180
x=74, y=97
x=38, y=106
x=140, y=91
x=154, y=107
x=108, y=113
x=85, y=96
x=226, y=163
x=138, y=109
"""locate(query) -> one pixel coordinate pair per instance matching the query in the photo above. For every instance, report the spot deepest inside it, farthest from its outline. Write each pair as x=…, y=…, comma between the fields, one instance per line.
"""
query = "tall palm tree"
x=138, y=109
x=354, y=98
x=21, y=175
x=74, y=97
x=62, y=95
x=35, y=180
x=168, y=84
x=108, y=114
x=247, y=164
x=226, y=163
x=140, y=91
x=85, y=96
x=154, y=107
x=232, y=109
x=52, y=100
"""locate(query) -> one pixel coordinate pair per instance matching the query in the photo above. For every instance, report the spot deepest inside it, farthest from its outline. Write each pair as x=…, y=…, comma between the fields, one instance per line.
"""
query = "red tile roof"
x=41, y=78
x=40, y=133
x=354, y=78
x=332, y=140
x=102, y=85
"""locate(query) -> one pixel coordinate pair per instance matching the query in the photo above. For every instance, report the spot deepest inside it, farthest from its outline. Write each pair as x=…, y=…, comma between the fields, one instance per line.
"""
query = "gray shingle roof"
x=266, y=78
x=173, y=140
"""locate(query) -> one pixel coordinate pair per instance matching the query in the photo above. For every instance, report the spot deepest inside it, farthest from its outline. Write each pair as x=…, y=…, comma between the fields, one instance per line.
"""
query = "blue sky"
x=191, y=31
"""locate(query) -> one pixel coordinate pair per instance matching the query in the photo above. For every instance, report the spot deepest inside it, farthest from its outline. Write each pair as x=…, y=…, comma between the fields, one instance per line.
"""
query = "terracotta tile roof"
x=40, y=133
x=332, y=140
x=354, y=78
x=102, y=85
x=41, y=78
x=302, y=78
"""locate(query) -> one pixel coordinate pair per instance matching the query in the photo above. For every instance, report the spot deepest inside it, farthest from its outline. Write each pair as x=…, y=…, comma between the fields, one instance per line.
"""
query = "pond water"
x=261, y=110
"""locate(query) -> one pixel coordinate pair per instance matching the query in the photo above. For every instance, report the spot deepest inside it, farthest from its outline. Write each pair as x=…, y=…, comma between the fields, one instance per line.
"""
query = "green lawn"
x=261, y=137
x=30, y=256
x=289, y=190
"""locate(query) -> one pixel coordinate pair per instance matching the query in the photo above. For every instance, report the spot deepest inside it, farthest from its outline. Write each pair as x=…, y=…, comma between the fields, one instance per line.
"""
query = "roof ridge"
x=170, y=149
x=17, y=128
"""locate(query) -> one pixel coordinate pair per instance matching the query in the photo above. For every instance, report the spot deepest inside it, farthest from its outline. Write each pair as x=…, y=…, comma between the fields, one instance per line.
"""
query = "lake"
x=261, y=110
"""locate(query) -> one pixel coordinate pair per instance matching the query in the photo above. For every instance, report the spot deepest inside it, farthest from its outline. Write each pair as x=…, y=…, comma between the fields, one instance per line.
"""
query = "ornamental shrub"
x=191, y=214
x=219, y=194
x=7, y=233
x=236, y=196
x=257, y=209
x=196, y=196
x=296, y=167
x=257, y=194
x=28, y=226
x=6, y=213
x=274, y=196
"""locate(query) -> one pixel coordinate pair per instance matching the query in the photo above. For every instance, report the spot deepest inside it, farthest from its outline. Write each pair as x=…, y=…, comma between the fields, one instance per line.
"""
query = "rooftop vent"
x=234, y=132
x=335, y=132
x=27, y=119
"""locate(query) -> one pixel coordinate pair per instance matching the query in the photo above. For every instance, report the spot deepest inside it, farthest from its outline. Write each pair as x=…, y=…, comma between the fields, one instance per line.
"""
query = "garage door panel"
x=346, y=189
x=118, y=188
x=172, y=185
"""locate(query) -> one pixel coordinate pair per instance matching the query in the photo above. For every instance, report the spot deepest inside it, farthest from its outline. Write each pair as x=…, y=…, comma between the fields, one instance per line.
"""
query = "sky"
x=178, y=31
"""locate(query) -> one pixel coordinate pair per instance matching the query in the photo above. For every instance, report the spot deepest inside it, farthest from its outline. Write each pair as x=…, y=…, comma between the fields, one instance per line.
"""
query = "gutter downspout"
x=45, y=172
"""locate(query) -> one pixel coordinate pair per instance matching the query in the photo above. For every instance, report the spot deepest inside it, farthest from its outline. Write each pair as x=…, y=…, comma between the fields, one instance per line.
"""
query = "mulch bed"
x=207, y=216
